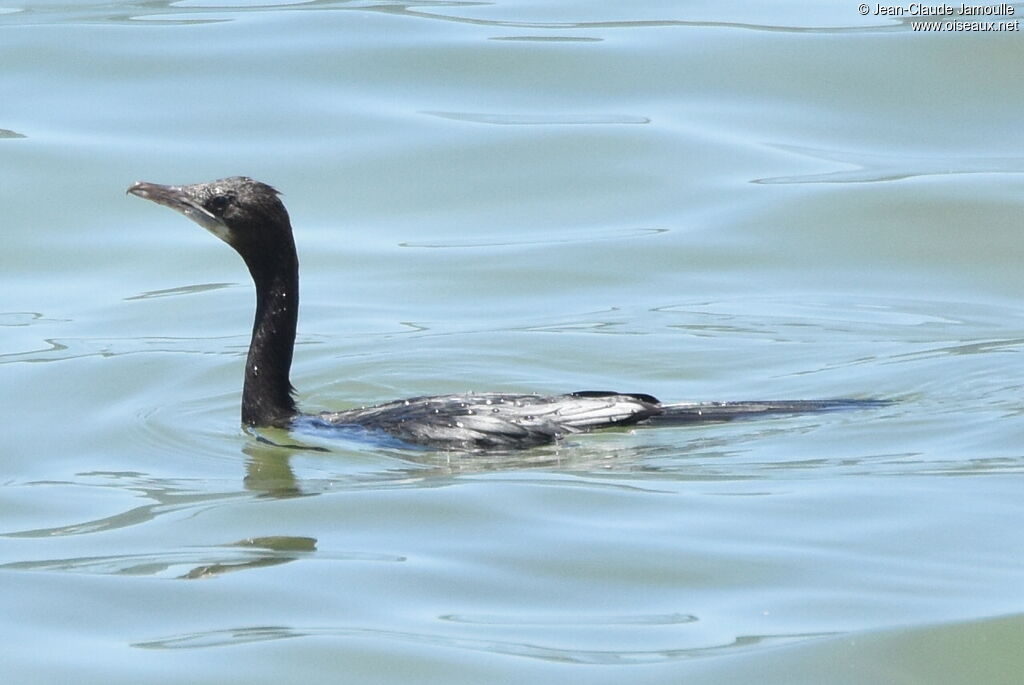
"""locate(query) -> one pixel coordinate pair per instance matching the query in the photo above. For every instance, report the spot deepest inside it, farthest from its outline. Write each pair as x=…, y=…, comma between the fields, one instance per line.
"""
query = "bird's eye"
x=218, y=204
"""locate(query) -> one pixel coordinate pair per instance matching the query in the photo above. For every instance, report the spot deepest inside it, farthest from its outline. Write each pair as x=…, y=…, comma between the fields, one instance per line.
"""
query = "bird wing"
x=496, y=420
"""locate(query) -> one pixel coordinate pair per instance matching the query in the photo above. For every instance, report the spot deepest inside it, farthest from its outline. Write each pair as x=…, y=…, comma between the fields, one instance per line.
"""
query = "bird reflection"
x=268, y=470
x=265, y=551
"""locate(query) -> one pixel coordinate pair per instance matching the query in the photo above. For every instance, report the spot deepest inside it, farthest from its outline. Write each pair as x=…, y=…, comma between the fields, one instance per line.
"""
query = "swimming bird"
x=249, y=216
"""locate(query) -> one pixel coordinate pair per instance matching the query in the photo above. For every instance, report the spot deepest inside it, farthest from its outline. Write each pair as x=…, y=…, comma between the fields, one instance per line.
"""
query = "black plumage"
x=250, y=217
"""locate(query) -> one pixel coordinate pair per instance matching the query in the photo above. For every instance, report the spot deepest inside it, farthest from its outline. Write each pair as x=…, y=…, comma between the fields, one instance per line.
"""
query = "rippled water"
x=698, y=201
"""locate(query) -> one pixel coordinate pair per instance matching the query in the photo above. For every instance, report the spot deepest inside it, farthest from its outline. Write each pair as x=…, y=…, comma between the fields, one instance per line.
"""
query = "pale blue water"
x=700, y=201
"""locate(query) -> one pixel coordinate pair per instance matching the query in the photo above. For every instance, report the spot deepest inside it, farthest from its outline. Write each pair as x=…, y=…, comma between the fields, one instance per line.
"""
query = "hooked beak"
x=182, y=199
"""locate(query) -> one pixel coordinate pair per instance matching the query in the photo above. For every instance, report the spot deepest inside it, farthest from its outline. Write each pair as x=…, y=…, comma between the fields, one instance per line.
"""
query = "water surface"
x=738, y=201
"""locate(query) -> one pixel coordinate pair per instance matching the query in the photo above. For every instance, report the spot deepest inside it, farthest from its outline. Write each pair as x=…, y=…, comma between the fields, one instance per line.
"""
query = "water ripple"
x=590, y=237
x=876, y=168
x=202, y=562
x=242, y=635
x=539, y=119
x=571, y=620
x=26, y=319
x=549, y=39
x=62, y=349
x=166, y=497
x=163, y=12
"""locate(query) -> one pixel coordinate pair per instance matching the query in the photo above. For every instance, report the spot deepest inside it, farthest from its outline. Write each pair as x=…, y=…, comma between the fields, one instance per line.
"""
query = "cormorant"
x=249, y=216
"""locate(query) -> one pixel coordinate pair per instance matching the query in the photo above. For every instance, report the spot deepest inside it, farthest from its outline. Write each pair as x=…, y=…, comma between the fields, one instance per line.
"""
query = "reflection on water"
x=181, y=290
x=268, y=471
x=242, y=635
x=207, y=562
x=271, y=551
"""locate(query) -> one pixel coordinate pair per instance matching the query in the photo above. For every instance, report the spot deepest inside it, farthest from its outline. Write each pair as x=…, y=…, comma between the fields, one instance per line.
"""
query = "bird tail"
x=708, y=412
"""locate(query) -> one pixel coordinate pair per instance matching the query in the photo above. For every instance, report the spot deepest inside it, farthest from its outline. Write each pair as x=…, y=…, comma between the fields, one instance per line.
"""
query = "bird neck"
x=267, y=393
